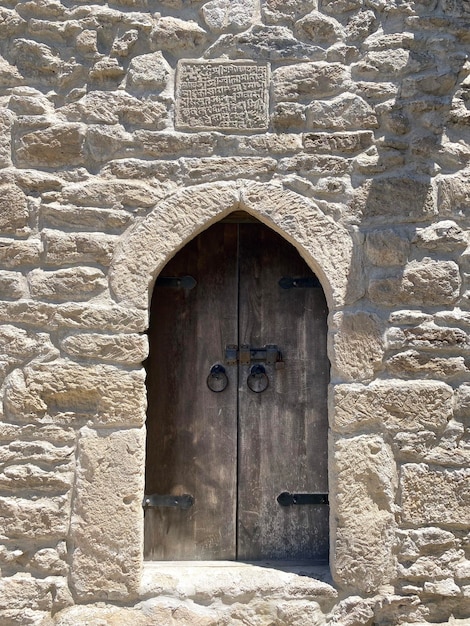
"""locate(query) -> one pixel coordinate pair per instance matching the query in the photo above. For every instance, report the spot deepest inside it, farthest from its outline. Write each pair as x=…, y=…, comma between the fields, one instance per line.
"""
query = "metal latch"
x=307, y=282
x=178, y=282
x=289, y=499
x=155, y=500
x=245, y=354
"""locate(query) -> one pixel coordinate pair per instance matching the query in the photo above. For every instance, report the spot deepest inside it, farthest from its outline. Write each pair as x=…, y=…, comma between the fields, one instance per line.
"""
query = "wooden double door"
x=237, y=383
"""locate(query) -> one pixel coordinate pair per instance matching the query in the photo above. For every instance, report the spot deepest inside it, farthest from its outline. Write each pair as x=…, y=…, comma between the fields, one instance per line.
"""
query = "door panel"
x=283, y=430
x=192, y=431
x=236, y=451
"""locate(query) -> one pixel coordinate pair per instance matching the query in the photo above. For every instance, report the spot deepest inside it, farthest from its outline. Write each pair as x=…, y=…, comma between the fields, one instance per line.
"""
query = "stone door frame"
x=331, y=251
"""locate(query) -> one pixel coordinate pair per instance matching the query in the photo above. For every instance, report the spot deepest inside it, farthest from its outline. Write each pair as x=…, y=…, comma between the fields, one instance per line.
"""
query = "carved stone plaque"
x=225, y=95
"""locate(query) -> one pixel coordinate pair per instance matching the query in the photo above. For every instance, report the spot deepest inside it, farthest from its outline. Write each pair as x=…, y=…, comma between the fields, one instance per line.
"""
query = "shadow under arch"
x=327, y=247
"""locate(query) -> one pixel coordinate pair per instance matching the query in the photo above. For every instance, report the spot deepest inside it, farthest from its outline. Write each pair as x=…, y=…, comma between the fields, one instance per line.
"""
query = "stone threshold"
x=206, y=582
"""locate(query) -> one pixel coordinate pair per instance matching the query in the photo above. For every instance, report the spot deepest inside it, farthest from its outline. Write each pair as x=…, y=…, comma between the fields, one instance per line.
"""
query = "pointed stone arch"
x=327, y=247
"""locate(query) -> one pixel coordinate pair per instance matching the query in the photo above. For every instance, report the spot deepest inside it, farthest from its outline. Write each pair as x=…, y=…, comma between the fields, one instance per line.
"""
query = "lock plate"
x=289, y=499
x=246, y=354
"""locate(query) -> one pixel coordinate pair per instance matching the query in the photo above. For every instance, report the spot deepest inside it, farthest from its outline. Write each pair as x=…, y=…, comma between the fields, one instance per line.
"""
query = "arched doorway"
x=237, y=387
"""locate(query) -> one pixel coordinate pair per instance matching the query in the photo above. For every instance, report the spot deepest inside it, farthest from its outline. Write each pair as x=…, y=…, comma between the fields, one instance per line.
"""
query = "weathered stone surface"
x=213, y=169
x=13, y=285
x=6, y=122
x=62, y=392
x=107, y=558
x=357, y=347
x=382, y=64
x=233, y=15
x=129, y=349
x=347, y=143
x=444, y=236
x=426, y=282
x=387, y=197
x=269, y=43
x=308, y=81
x=387, y=246
x=14, y=253
x=28, y=476
x=148, y=71
x=428, y=335
x=281, y=10
x=435, y=496
x=77, y=283
x=411, y=363
x=318, y=28
x=24, y=518
x=14, y=212
x=84, y=218
x=454, y=194
x=315, y=165
x=173, y=34
x=344, y=112
x=365, y=483
x=175, y=144
x=63, y=248
x=462, y=400
x=56, y=146
x=395, y=405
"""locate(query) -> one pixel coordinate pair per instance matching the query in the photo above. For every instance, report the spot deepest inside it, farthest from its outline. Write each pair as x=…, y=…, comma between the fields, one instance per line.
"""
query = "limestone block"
x=112, y=194
x=425, y=282
x=173, y=34
x=84, y=218
x=105, y=141
x=116, y=107
x=50, y=561
x=231, y=15
x=127, y=349
x=12, y=23
x=213, y=169
x=315, y=165
x=446, y=588
x=42, y=452
x=281, y=10
x=382, y=64
x=299, y=613
x=454, y=194
x=289, y=116
x=406, y=197
x=175, y=144
x=266, y=144
x=411, y=318
x=56, y=146
x=435, y=496
x=308, y=81
x=140, y=169
x=62, y=248
x=428, y=335
x=13, y=285
x=101, y=318
x=24, y=518
x=344, y=112
x=107, y=69
x=148, y=72
x=27, y=312
x=107, y=519
x=318, y=28
x=14, y=212
x=29, y=101
x=387, y=246
x=432, y=567
x=352, y=611
x=22, y=591
x=462, y=400
x=14, y=253
x=347, y=143
x=18, y=344
x=357, y=346
x=360, y=25
x=266, y=43
x=424, y=541
x=336, y=7
x=75, y=283
x=396, y=405
x=444, y=236
x=412, y=363
x=37, y=59
x=6, y=123
x=28, y=476
x=363, y=518
x=86, y=43
x=64, y=392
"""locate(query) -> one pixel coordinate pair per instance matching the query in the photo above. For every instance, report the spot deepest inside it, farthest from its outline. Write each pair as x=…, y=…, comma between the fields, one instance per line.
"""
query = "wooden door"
x=236, y=451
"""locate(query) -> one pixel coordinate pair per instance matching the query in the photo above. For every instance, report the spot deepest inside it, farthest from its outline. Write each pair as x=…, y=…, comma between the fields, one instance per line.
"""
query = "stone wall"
x=356, y=147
